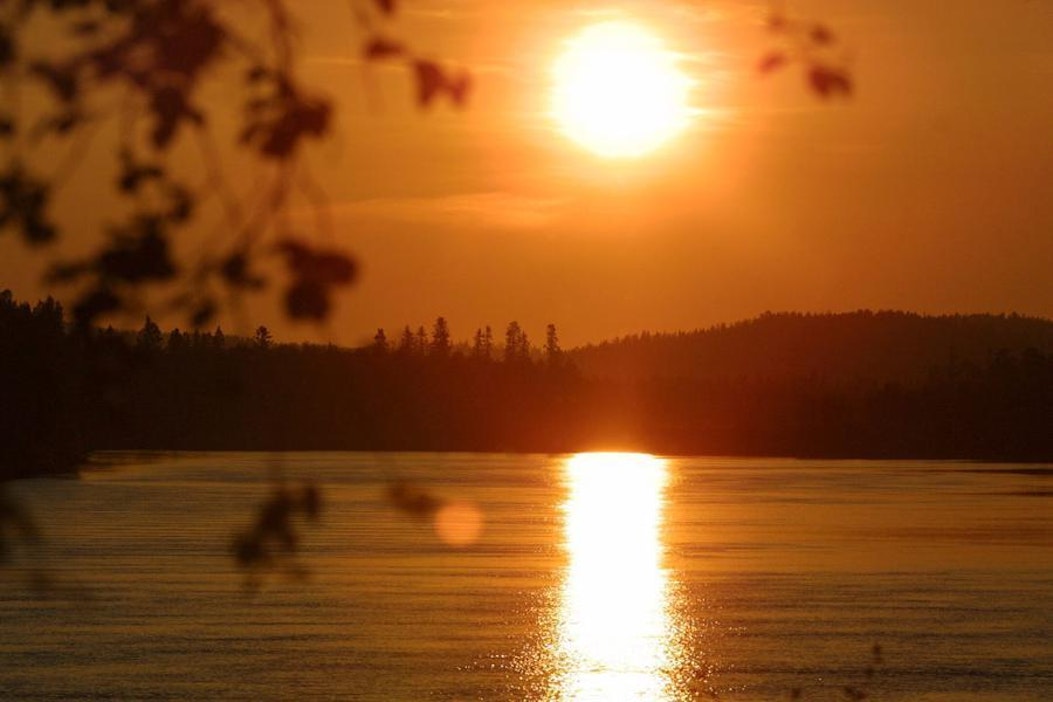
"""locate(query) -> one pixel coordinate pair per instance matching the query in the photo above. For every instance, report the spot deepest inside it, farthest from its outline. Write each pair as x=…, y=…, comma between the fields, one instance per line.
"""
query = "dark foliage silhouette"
x=866, y=385
x=43, y=389
x=814, y=47
x=270, y=544
x=145, y=67
x=857, y=385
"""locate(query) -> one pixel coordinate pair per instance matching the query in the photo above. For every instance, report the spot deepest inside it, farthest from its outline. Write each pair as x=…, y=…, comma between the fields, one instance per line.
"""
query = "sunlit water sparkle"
x=737, y=578
x=614, y=621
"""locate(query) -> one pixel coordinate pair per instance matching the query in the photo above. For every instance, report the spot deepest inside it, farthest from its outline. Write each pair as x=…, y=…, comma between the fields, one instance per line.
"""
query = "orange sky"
x=931, y=190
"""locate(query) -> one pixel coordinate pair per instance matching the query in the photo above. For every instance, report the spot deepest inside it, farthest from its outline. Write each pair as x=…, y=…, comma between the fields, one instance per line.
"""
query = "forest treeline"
x=858, y=348
x=860, y=385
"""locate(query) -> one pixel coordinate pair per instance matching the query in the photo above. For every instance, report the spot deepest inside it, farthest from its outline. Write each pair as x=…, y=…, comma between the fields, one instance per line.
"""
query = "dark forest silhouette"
x=69, y=394
x=850, y=385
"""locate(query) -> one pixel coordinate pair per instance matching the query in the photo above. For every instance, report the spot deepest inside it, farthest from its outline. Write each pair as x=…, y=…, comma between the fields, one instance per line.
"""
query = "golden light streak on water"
x=615, y=631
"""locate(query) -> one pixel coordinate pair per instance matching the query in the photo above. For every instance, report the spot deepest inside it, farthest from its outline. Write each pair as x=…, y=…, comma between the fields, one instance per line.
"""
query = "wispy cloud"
x=497, y=209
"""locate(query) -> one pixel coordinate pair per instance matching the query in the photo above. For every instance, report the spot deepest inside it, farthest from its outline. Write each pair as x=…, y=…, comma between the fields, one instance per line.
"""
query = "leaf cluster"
x=145, y=65
x=272, y=541
x=314, y=272
x=16, y=524
x=433, y=79
x=811, y=45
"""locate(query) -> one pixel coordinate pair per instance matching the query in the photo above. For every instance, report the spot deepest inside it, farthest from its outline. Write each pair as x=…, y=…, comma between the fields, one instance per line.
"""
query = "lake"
x=527, y=577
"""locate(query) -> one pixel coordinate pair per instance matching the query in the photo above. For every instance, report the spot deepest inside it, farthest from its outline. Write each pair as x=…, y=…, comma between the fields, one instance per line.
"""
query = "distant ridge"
x=838, y=348
x=857, y=385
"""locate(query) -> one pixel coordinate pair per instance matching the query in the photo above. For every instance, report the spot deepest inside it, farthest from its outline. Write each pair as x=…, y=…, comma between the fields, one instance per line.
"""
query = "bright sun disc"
x=618, y=91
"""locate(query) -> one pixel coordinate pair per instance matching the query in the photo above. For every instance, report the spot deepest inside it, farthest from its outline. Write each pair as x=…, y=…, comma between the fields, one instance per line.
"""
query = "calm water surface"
x=597, y=577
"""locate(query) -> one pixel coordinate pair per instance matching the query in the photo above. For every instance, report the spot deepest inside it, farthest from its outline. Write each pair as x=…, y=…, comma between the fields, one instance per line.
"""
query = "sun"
x=618, y=91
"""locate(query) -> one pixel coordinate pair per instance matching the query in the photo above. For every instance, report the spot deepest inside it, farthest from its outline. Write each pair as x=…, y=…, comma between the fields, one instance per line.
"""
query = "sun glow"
x=618, y=92
x=614, y=620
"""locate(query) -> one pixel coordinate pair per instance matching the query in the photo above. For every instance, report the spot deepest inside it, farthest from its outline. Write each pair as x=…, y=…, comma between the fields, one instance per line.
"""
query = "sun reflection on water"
x=615, y=632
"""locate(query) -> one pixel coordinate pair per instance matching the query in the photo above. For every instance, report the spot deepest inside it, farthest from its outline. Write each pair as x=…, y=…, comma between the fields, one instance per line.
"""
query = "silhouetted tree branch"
x=72, y=67
x=74, y=71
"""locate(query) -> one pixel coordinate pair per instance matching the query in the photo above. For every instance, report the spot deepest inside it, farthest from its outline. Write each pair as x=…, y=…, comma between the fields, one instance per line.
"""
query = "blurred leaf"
x=379, y=48
x=60, y=124
x=257, y=74
x=8, y=52
x=203, y=313
x=39, y=232
x=385, y=6
x=311, y=501
x=14, y=515
x=307, y=299
x=258, y=104
x=23, y=203
x=14, y=519
x=248, y=549
x=182, y=204
x=234, y=269
x=334, y=268
x=67, y=272
x=432, y=81
x=170, y=108
x=93, y=304
x=85, y=28
x=821, y=35
x=274, y=537
x=134, y=174
x=278, y=124
x=314, y=273
x=139, y=253
x=413, y=500
x=429, y=81
x=772, y=61
x=185, y=38
x=459, y=87
x=829, y=82
x=326, y=266
x=60, y=79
